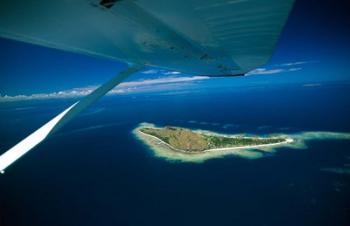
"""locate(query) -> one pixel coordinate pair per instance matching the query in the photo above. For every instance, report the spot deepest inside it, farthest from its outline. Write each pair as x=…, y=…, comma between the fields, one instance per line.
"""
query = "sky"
x=314, y=47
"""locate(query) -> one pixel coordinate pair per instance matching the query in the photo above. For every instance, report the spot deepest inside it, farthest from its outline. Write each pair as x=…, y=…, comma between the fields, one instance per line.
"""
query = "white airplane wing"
x=207, y=37
x=211, y=37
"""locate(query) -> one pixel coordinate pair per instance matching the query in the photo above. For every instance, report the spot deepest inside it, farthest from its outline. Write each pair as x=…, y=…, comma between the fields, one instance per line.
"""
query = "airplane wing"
x=211, y=37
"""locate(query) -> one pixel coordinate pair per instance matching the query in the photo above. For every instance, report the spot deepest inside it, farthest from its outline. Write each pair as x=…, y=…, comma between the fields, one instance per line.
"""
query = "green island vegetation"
x=190, y=141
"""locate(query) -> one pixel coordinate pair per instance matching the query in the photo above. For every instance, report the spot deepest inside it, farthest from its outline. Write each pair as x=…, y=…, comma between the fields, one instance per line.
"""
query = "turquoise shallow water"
x=94, y=171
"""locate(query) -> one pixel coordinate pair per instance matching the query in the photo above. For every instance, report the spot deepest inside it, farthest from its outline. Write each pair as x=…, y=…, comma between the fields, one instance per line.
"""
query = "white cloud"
x=162, y=80
x=264, y=71
x=149, y=84
x=160, y=71
x=294, y=63
x=151, y=71
x=172, y=73
x=279, y=68
x=294, y=69
x=125, y=87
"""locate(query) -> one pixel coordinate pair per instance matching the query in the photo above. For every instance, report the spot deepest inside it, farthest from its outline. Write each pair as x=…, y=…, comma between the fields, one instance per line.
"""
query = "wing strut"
x=28, y=143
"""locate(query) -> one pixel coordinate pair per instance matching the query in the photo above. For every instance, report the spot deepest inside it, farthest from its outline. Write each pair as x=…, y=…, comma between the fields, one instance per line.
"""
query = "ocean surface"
x=94, y=171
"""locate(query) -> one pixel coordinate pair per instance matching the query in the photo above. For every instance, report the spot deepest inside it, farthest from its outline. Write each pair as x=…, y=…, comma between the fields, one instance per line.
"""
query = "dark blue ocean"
x=94, y=171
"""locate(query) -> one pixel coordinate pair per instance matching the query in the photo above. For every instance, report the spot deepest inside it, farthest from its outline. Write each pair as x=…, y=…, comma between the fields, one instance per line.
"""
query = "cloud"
x=264, y=71
x=151, y=71
x=162, y=83
x=125, y=87
x=172, y=73
x=295, y=63
x=161, y=80
x=161, y=71
x=280, y=68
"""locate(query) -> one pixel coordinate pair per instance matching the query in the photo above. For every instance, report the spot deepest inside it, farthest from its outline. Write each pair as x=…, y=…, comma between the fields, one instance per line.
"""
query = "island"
x=177, y=143
x=188, y=141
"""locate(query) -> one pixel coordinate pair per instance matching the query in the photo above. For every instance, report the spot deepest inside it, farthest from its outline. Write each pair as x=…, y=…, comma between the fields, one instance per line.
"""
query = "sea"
x=95, y=172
